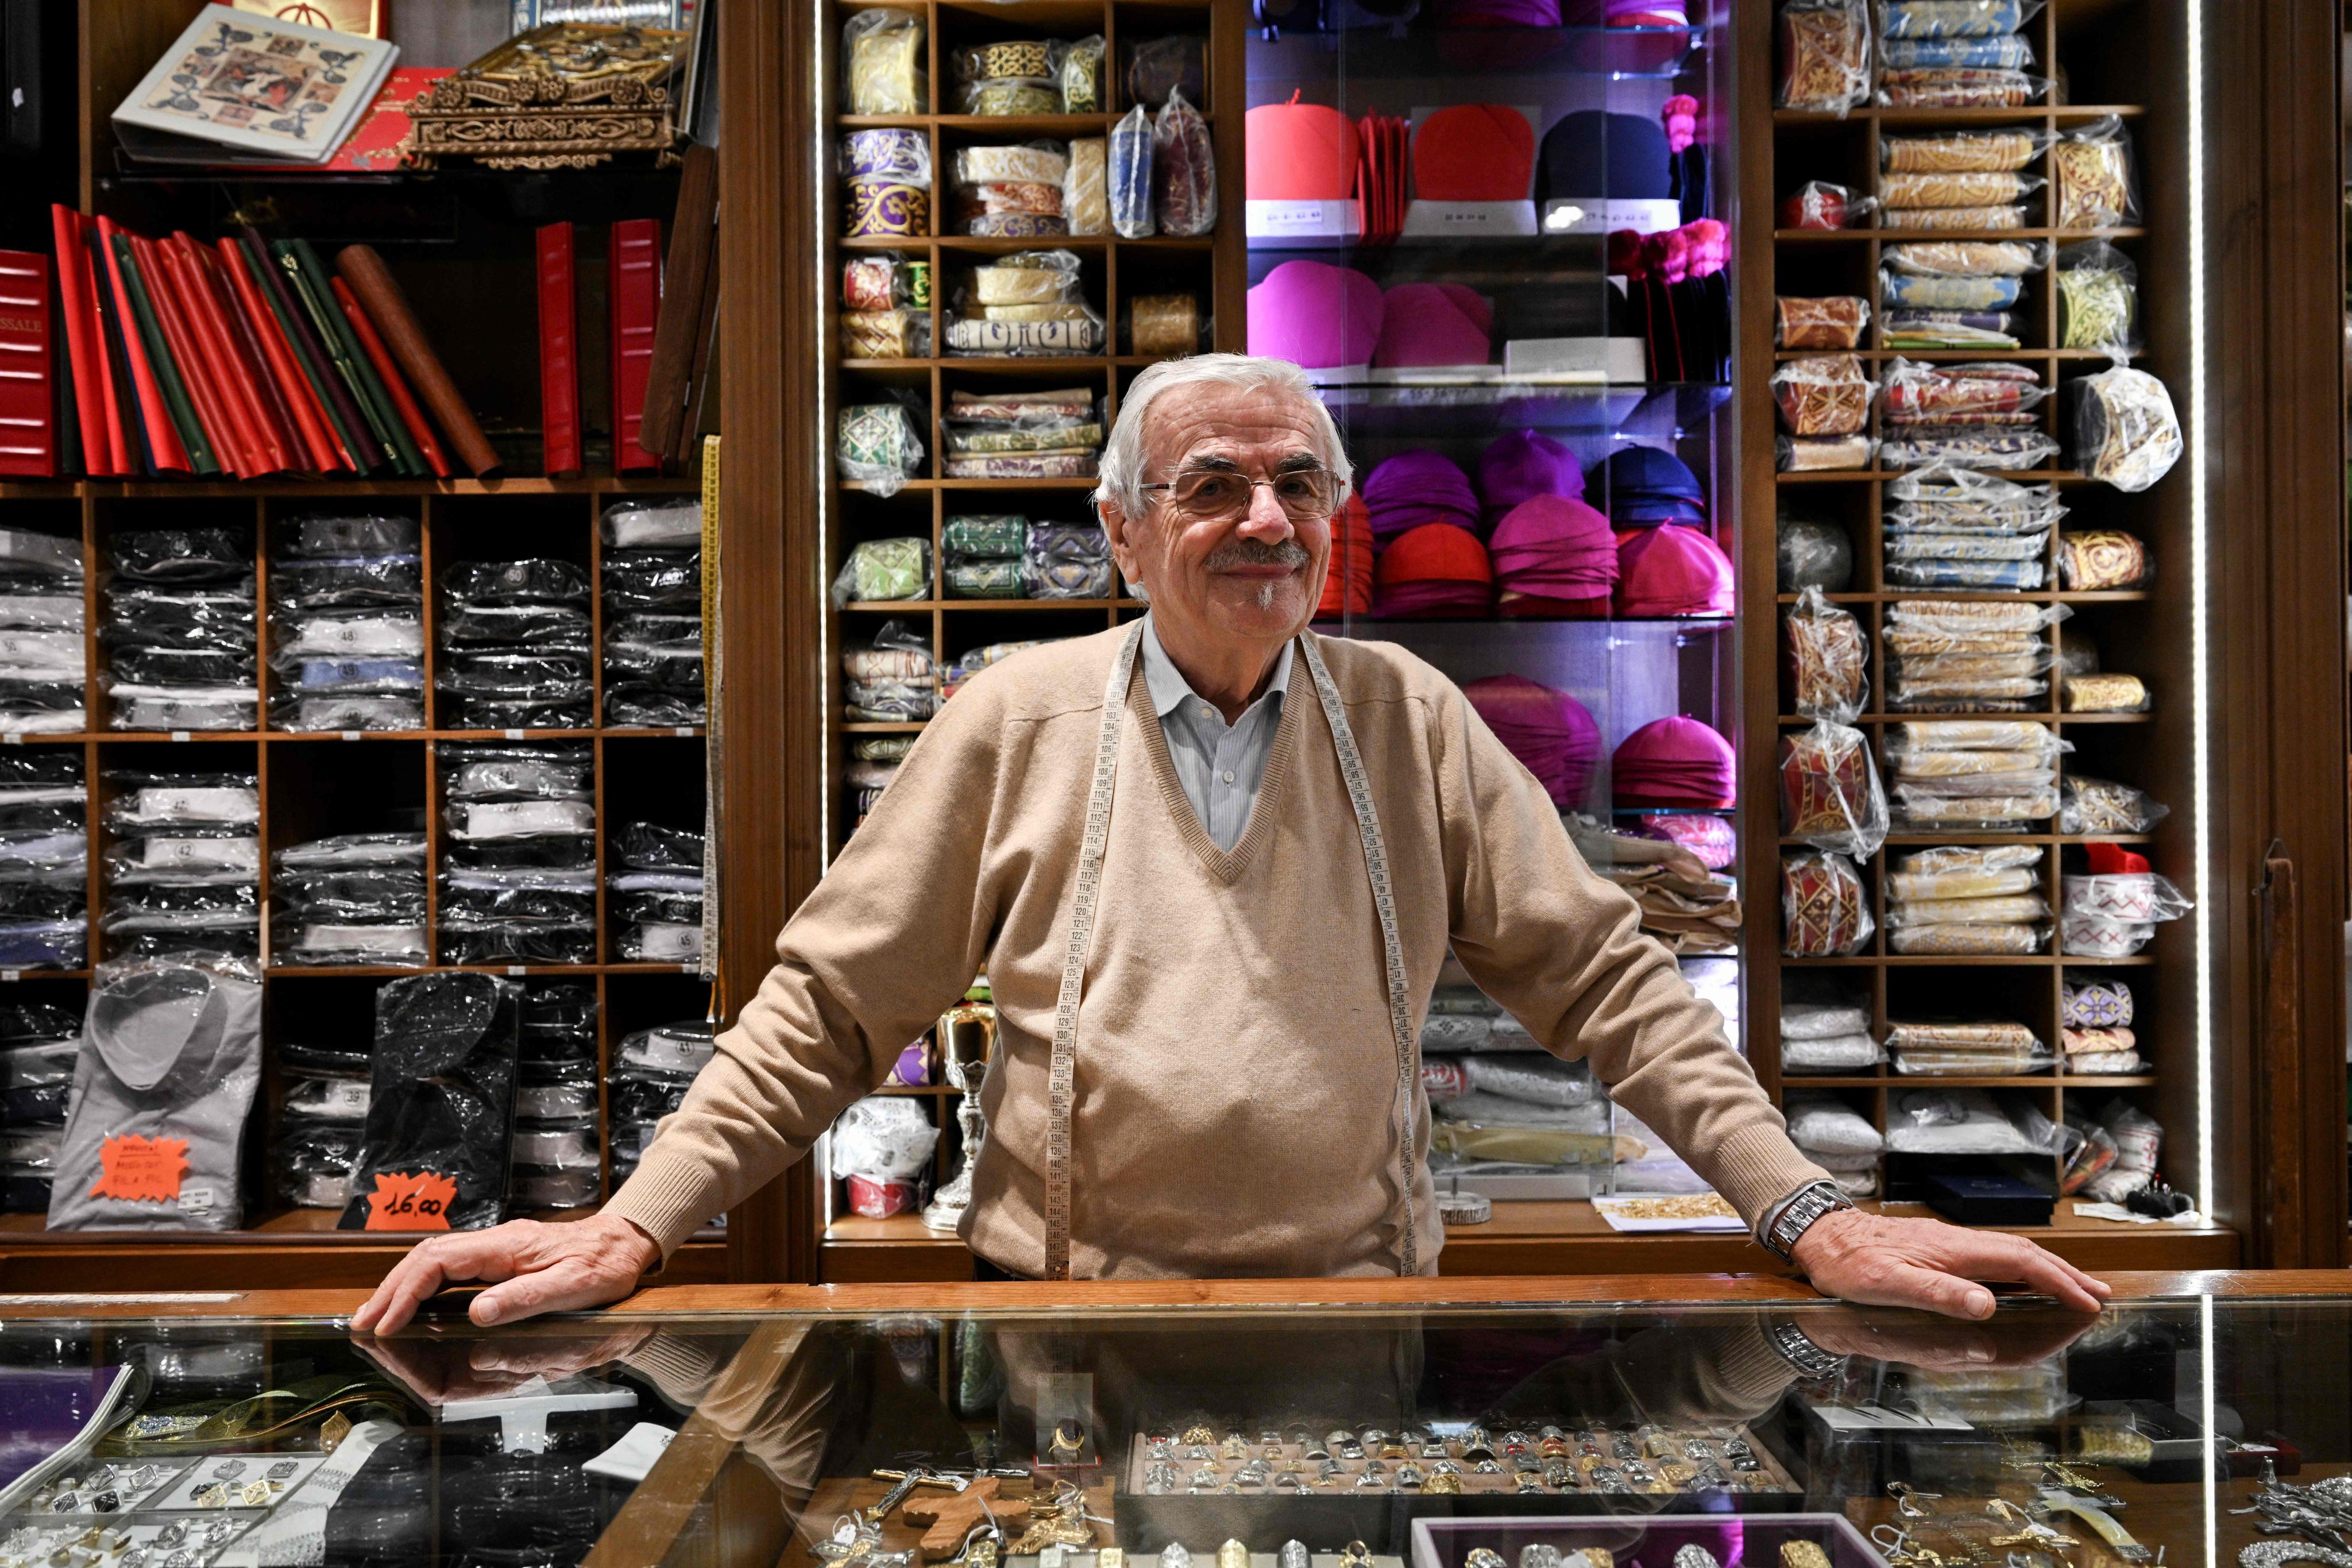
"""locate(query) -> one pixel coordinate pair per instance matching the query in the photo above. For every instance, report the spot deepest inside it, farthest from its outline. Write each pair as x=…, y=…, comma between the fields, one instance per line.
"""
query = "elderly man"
x=1212, y=864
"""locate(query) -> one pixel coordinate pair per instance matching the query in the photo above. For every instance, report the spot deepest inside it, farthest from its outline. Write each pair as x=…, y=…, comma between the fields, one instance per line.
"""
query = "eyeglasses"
x=1220, y=494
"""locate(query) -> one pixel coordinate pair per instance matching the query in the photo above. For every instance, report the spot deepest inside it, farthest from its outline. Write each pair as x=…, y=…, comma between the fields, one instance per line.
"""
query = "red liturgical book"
x=634, y=281
x=559, y=354
x=269, y=404
x=326, y=456
x=205, y=391
x=28, y=414
x=372, y=344
x=169, y=454
x=77, y=316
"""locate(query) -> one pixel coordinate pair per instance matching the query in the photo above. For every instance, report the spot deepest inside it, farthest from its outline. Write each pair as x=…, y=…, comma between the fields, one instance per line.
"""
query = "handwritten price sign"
x=404, y=1202
x=137, y=1169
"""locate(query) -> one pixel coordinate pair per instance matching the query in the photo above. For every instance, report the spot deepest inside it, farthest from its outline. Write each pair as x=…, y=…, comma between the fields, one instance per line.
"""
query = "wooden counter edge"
x=1583, y=1291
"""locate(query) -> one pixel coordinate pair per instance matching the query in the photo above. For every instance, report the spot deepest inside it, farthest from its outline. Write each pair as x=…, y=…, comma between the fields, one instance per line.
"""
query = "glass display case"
x=993, y=1429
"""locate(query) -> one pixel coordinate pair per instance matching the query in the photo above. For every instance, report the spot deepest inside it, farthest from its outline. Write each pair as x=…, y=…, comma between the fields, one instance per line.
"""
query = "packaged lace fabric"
x=1130, y=175
x=1972, y=775
x=1964, y=259
x=1825, y=55
x=2095, y=806
x=2004, y=150
x=1819, y=1124
x=883, y=50
x=2102, y=560
x=1835, y=323
x=181, y=631
x=171, y=1051
x=879, y=570
x=1953, y=18
x=1812, y=555
x=2092, y=184
x=1965, y=871
x=1902, y=194
x=1830, y=794
x=352, y=898
x=1952, y=499
x=1971, y=656
x=1183, y=169
x=1826, y=395
x=440, y=1119
x=2125, y=431
x=1068, y=560
x=2094, y=1004
x=1988, y=218
x=876, y=446
x=1991, y=52
x=43, y=661
x=2108, y=693
x=2098, y=298
x=893, y=681
x=1950, y=526
x=1824, y=909
x=1827, y=656
x=1959, y=86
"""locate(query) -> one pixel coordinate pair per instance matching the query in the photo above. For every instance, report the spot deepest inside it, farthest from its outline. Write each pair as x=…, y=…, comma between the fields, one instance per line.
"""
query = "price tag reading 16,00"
x=404, y=1202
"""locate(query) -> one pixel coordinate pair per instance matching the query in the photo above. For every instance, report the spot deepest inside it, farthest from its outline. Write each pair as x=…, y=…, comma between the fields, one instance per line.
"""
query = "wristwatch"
x=1796, y=1214
x=1798, y=1349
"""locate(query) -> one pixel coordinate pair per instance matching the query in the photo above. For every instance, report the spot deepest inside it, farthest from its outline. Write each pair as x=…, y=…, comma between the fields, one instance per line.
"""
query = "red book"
x=29, y=392
x=81, y=325
x=229, y=441
x=233, y=383
x=285, y=371
x=154, y=414
x=371, y=342
x=115, y=397
x=277, y=418
x=634, y=281
x=558, y=355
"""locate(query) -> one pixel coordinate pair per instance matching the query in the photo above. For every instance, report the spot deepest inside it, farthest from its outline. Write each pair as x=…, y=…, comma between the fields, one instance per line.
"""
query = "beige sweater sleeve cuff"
x=1755, y=1167
x=668, y=1198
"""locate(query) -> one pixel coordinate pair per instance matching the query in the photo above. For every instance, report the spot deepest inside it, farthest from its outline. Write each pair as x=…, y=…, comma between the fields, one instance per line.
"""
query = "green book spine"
x=309, y=274
x=257, y=265
x=159, y=358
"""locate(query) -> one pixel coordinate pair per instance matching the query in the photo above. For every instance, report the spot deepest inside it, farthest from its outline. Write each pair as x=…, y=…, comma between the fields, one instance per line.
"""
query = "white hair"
x=1120, y=473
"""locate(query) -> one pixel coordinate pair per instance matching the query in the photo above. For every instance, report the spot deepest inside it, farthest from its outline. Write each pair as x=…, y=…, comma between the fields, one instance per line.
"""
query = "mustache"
x=1253, y=552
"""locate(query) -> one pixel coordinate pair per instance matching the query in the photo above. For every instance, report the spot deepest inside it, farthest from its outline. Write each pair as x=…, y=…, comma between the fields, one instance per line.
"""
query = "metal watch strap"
x=1784, y=1225
x=1798, y=1349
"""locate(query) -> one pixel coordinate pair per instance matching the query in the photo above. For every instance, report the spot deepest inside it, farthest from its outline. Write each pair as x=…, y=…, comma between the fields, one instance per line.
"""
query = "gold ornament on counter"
x=1233, y=1554
x=565, y=96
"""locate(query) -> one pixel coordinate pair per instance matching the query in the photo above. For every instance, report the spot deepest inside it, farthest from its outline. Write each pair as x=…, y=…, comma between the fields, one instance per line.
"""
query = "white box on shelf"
x=1604, y=215
x=1277, y=222
x=1547, y=1186
x=1575, y=359
x=1469, y=220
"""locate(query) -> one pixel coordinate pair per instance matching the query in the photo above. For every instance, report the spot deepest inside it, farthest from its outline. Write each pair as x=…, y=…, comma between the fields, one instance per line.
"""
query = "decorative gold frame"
x=565, y=96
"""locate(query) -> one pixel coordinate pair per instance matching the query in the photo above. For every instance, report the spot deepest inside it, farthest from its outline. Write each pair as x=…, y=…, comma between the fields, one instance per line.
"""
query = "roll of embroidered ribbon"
x=904, y=156
x=1085, y=191
x=1016, y=226
x=1164, y=326
x=887, y=208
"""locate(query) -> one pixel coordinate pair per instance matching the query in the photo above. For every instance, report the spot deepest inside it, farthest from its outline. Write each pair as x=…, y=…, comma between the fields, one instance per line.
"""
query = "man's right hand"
x=533, y=1268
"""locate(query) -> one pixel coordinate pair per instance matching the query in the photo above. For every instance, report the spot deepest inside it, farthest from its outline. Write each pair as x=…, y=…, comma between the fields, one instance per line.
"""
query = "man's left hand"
x=1881, y=1261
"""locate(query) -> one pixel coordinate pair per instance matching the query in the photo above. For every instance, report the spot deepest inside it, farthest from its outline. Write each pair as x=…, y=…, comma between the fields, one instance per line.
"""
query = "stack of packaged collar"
x=322, y=1105
x=1974, y=775
x=1993, y=1049
x=652, y=574
x=183, y=873
x=1028, y=303
x=1947, y=526
x=1957, y=293
x=558, y=1154
x=1937, y=55
x=351, y=899
x=2094, y=1020
x=656, y=894
x=347, y=624
x=1502, y=1105
x=518, y=877
x=37, y=1046
x=42, y=656
x=1977, y=415
x=180, y=630
x=1054, y=435
x=1946, y=656
x=516, y=644
x=651, y=1072
x=1968, y=899
x=44, y=860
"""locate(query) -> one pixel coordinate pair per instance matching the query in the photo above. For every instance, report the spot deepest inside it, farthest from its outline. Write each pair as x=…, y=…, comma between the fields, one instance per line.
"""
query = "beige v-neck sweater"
x=1236, y=1075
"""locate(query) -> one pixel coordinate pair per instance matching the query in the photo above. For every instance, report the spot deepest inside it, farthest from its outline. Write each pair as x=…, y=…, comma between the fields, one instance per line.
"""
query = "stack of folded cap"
x=1432, y=325
x=1966, y=900
x=180, y=630
x=652, y=576
x=515, y=645
x=183, y=874
x=43, y=657
x=1968, y=656
x=1994, y=1047
x=1416, y=488
x=1521, y=465
x=1672, y=571
x=347, y=622
x=44, y=860
x=1685, y=906
x=519, y=881
x=1549, y=730
x=656, y=894
x=353, y=898
x=1554, y=556
x=1644, y=486
x=1436, y=568
x=556, y=1150
x=651, y=1073
x=1973, y=775
x=1952, y=527
x=1347, y=580
x=1316, y=315
x=1676, y=761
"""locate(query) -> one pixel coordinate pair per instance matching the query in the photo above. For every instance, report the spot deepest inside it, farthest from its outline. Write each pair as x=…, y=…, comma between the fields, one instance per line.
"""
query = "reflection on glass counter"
x=1780, y=1435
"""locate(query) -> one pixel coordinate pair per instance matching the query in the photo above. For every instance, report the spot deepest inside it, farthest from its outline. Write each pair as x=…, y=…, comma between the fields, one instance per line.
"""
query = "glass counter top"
x=1440, y=1424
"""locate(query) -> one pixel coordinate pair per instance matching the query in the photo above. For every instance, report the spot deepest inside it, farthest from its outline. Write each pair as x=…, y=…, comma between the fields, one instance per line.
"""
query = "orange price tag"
x=138, y=1169
x=404, y=1202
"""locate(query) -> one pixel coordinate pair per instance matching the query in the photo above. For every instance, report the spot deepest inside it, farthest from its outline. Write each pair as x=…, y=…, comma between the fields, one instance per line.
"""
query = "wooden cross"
x=951, y=1516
